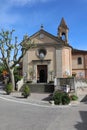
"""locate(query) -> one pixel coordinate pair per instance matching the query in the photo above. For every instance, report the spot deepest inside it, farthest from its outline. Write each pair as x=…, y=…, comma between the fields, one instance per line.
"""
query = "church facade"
x=53, y=56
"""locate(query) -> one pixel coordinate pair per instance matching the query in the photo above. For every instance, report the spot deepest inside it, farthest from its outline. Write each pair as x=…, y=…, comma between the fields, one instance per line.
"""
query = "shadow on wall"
x=82, y=125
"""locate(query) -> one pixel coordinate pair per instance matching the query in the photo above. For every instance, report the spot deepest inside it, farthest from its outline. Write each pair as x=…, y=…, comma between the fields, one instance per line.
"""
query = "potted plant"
x=61, y=97
x=9, y=88
x=26, y=91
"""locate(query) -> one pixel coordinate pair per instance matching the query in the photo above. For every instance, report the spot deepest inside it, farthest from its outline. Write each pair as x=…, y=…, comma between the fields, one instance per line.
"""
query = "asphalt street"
x=20, y=116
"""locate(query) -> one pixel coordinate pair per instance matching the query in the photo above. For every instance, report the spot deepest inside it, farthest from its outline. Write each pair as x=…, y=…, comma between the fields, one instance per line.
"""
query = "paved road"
x=20, y=116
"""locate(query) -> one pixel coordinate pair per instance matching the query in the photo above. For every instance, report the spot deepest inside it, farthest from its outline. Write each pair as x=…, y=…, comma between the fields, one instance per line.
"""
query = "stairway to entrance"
x=41, y=87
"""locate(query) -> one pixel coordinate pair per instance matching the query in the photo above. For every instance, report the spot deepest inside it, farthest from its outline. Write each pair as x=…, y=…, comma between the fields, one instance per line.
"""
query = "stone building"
x=79, y=63
x=53, y=56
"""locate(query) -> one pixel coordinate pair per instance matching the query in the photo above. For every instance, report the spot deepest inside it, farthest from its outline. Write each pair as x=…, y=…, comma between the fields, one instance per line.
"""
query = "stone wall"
x=61, y=82
x=81, y=83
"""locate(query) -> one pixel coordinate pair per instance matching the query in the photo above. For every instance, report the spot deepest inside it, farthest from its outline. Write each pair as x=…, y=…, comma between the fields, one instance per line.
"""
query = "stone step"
x=40, y=87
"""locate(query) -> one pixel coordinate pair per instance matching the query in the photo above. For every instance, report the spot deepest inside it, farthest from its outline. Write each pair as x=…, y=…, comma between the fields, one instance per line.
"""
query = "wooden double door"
x=41, y=73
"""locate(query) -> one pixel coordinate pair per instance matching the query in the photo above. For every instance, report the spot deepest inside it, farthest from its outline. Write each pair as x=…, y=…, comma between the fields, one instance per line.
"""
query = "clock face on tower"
x=41, y=36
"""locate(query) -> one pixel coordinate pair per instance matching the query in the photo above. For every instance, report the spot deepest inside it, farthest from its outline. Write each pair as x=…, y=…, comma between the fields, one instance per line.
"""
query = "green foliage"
x=73, y=97
x=2, y=68
x=8, y=88
x=61, y=97
x=58, y=100
x=17, y=78
x=57, y=97
x=16, y=74
x=65, y=99
x=26, y=91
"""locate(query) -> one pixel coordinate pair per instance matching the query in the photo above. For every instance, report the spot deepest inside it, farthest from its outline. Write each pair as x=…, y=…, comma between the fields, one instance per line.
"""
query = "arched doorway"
x=42, y=73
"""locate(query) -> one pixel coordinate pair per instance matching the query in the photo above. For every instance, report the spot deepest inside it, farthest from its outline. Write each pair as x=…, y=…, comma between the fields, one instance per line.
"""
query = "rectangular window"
x=79, y=60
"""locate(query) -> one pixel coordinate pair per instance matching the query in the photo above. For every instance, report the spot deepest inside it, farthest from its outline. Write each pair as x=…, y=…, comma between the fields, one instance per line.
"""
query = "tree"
x=12, y=52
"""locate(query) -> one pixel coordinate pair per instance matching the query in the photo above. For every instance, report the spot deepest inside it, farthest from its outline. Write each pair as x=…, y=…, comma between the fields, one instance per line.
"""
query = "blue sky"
x=26, y=16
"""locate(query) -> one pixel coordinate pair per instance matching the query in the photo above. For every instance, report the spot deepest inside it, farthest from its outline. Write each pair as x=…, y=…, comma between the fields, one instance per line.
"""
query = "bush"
x=61, y=97
x=57, y=97
x=9, y=88
x=65, y=99
x=73, y=97
x=26, y=91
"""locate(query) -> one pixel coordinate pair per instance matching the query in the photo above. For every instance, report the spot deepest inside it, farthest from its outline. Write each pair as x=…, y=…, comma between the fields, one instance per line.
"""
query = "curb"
x=13, y=98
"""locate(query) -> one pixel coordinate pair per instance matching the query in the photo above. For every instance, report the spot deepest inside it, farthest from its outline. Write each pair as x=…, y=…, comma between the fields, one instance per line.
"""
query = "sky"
x=26, y=17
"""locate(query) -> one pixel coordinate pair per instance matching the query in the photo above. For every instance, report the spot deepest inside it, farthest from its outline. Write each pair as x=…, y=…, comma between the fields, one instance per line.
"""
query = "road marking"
x=34, y=104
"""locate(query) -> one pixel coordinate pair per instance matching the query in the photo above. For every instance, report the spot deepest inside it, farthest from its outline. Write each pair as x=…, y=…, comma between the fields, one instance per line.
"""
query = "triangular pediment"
x=42, y=37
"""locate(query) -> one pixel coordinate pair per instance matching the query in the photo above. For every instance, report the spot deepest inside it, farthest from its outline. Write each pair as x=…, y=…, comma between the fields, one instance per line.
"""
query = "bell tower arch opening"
x=63, y=37
x=63, y=31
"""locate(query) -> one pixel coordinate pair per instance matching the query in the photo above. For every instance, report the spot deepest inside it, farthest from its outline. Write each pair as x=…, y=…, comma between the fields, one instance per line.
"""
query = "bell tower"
x=63, y=31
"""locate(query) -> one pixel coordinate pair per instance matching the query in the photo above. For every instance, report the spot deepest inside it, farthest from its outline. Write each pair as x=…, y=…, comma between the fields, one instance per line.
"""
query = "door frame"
x=45, y=76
